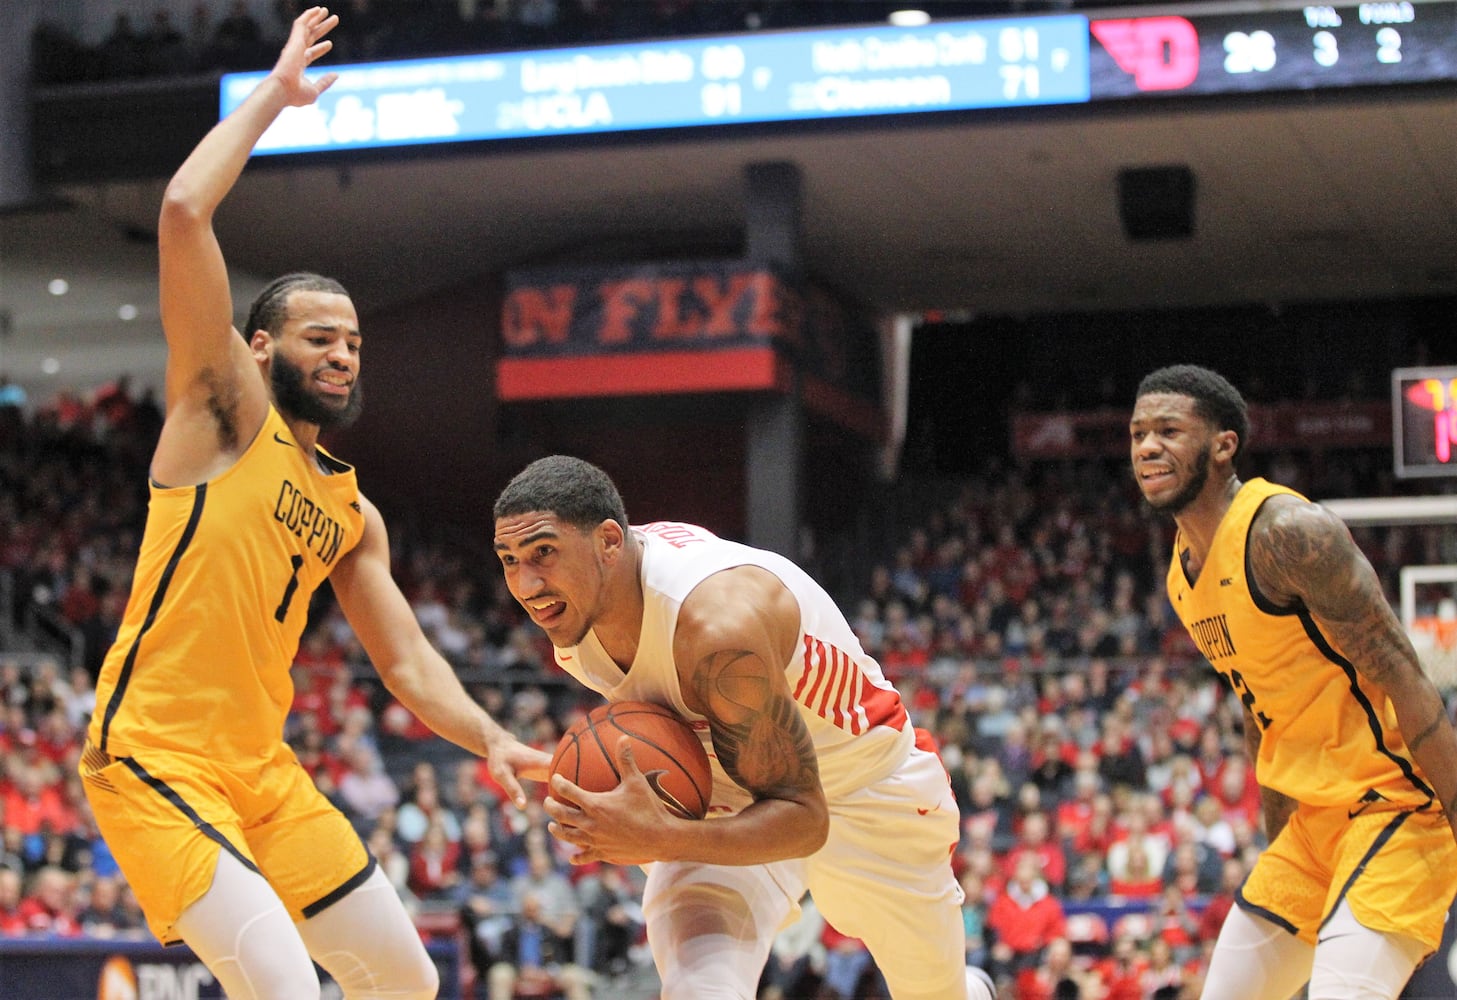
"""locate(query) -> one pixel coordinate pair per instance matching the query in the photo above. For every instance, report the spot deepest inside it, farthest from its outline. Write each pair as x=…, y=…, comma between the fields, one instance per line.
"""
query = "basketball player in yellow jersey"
x=217, y=827
x=1356, y=760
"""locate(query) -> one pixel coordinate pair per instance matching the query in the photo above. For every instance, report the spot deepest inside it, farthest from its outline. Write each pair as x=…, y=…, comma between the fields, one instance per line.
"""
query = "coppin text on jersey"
x=1212, y=637
x=321, y=533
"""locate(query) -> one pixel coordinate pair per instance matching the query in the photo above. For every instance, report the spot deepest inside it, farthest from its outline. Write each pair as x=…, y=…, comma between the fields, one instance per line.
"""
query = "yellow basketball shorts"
x=1396, y=869
x=166, y=815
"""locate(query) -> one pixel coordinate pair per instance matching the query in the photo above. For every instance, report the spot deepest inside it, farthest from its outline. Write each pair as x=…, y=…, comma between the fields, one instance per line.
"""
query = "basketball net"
x=1435, y=639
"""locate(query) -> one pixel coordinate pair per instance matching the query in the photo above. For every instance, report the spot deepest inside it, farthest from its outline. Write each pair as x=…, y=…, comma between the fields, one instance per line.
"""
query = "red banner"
x=1303, y=426
x=684, y=327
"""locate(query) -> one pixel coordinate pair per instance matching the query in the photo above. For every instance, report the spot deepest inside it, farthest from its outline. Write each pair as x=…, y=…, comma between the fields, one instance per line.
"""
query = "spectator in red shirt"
x=434, y=863
x=12, y=924
x=1176, y=923
x=1137, y=879
x=318, y=662
x=1023, y=919
x=1163, y=977
x=1075, y=813
x=1122, y=971
x=1210, y=756
x=1034, y=842
x=80, y=601
x=1097, y=834
x=56, y=737
x=30, y=802
x=1238, y=792
x=313, y=752
x=51, y=906
x=1056, y=977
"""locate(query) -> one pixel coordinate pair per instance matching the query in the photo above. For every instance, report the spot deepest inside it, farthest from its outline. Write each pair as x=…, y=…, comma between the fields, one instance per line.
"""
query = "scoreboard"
x=1424, y=421
x=787, y=76
x=1274, y=49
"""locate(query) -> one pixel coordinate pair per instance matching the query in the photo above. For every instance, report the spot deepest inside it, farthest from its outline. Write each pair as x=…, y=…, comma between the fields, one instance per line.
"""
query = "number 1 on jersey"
x=282, y=611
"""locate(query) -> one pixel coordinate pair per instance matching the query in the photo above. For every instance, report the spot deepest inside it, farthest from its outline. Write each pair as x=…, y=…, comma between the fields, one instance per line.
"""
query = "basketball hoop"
x=1435, y=639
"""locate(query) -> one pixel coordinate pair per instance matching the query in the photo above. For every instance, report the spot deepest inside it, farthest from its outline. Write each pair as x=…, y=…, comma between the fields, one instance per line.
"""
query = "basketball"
x=664, y=745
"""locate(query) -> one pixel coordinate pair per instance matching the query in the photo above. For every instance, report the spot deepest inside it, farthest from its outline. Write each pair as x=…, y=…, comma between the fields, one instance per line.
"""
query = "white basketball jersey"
x=860, y=728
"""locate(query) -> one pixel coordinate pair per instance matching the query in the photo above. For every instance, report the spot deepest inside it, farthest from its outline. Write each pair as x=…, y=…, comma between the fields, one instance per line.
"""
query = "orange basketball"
x=667, y=751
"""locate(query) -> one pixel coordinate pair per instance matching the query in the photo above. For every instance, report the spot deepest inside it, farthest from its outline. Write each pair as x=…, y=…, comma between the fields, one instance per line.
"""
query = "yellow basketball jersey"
x=1329, y=736
x=219, y=600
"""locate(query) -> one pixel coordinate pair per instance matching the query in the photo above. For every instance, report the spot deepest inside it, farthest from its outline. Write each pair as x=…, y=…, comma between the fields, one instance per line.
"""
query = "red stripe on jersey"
x=837, y=672
x=883, y=707
x=814, y=665
x=832, y=686
x=846, y=677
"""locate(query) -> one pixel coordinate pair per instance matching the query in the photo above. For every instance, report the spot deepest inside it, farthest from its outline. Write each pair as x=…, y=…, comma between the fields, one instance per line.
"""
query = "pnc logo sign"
x=120, y=980
x=1160, y=53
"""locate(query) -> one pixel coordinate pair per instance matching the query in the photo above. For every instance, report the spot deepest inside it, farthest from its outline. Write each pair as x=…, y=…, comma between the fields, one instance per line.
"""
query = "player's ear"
x=1226, y=444
x=610, y=538
x=258, y=344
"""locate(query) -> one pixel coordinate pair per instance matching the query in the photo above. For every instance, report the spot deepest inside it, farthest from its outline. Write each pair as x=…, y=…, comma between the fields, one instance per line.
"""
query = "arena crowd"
x=1108, y=813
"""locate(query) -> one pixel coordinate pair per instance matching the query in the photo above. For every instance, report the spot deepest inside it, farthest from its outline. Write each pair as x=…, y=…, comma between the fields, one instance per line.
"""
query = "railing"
x=47, y=627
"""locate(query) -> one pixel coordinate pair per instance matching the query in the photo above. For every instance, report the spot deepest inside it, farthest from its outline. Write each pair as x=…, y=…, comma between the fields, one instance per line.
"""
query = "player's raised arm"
x=210, y=371
x=1302, y=552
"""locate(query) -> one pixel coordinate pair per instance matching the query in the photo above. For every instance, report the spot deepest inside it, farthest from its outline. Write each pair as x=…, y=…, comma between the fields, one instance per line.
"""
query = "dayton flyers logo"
x=1160, y=53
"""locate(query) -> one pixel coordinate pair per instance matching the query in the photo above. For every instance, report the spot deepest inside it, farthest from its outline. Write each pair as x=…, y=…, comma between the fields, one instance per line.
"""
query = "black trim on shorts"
x=354, y=882
x=1386, y=834
x=1260, y=911
x=198, y=499
x=204, y=827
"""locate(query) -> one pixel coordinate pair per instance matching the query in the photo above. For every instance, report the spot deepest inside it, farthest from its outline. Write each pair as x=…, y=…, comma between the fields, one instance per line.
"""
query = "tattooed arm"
x=1300, y=552
x=736, y=631
x=1275, y=806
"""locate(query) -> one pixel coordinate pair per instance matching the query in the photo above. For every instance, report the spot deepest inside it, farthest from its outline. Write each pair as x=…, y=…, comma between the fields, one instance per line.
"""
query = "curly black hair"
x=576, y=491
x=1215, y=399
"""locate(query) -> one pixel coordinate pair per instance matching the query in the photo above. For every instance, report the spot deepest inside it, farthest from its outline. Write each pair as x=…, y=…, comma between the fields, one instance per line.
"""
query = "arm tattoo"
x=1302, y=555
x=758, y=733
x=1439, y=721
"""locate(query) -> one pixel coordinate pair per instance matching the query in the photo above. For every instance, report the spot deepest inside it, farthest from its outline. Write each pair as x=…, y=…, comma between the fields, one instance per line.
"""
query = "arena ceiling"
x=1296, y=200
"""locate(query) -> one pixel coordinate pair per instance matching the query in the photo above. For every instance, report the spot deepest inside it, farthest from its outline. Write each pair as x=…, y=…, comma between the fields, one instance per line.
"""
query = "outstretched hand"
x=628, y=825
x=511, y=760
x=306, y=42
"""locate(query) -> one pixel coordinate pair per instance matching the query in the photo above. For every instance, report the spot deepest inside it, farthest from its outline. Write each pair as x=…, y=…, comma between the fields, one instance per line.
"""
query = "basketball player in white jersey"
x=820, y=780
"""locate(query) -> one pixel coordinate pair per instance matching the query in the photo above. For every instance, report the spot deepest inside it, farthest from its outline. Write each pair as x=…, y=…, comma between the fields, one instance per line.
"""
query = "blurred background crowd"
x=1108, y=812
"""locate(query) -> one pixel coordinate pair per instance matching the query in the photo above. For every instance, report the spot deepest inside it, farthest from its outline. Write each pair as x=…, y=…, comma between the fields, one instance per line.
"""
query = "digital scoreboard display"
x=689, y=82
x=1273, y=49
x=1424, y=421
x=1005, y=62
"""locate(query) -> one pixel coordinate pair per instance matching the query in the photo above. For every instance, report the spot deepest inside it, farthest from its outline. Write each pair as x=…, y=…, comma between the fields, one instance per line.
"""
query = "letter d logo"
x=1160, y=53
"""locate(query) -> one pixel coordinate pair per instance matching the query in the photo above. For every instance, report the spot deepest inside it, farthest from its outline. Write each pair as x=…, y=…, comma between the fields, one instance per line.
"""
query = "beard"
x=1176, y=503
x=292, y=396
